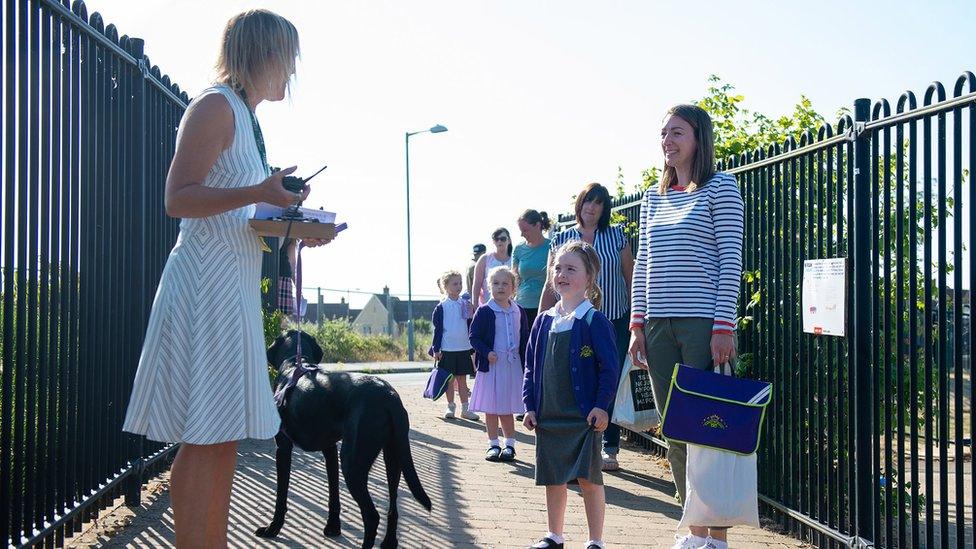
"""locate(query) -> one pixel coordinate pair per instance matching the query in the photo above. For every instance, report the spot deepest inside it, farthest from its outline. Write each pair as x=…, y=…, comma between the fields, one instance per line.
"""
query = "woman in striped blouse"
x=616, y=267
x=686, y=280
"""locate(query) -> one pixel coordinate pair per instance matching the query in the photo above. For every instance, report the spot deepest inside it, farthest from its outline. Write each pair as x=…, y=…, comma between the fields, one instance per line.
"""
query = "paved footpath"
x=476, y=503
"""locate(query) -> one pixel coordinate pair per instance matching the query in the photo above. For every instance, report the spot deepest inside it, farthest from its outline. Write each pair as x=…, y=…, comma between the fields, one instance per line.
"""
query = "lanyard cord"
x=258, y=135
x=300, y=367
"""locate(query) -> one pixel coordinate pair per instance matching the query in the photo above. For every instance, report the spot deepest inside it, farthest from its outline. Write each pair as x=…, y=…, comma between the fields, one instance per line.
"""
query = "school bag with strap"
x=715, y=410
x=437, y=383
x=720, y=418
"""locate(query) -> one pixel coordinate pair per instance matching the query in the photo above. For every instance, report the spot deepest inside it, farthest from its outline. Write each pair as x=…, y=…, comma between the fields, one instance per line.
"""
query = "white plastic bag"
x=720, y=488
x=640, y=414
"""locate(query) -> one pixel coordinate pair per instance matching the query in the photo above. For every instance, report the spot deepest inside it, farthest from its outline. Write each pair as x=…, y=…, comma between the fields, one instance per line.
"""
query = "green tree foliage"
x=739, y=130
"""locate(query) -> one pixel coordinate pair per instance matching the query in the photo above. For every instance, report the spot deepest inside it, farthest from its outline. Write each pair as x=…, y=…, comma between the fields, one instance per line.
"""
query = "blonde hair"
x=445, y=277
x=503, y=270
x=258, y=47
x=591, y=263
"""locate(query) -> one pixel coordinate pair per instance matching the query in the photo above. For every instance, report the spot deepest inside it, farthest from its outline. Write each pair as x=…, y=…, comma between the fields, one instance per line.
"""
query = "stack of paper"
x=269, y=211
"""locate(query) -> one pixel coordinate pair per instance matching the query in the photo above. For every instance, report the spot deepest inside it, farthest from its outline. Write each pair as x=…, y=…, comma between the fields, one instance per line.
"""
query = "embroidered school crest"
x=586, y=352
x=715, y=422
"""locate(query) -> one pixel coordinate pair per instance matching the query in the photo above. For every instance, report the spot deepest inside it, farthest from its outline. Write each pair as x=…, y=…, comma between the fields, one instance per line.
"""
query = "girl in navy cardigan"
x=571, y=373
x=450, y=346
x=499, y=332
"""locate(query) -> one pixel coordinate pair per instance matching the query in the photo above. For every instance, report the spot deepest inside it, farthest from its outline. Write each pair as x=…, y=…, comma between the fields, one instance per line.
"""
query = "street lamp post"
x=435, y=129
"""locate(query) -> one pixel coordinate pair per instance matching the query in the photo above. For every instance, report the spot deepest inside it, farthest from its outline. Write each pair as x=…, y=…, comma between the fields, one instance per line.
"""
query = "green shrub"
x=423, y=326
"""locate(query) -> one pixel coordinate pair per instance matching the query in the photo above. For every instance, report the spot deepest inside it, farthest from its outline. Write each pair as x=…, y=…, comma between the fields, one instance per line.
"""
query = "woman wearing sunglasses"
x=501, y=256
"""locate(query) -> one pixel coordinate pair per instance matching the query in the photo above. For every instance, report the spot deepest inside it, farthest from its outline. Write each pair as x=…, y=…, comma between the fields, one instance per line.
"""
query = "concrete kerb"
x=379, y=367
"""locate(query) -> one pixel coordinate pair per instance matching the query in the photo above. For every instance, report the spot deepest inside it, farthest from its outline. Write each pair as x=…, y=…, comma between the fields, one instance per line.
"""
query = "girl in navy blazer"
x=571, y=372
x=450, y=346
x=499, y=333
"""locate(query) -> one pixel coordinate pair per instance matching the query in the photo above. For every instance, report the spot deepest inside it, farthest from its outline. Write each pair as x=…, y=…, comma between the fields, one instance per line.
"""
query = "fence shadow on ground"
x=253, y=503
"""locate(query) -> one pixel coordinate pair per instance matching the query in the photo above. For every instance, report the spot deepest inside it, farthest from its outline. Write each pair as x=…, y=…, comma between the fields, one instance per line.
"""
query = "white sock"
x=597, y=542
x=555, y=537
x=510, y=442
x=493, y=442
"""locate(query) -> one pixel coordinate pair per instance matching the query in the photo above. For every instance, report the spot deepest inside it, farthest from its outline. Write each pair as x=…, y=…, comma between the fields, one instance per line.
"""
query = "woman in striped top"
x=686, y=280
x=616, y=267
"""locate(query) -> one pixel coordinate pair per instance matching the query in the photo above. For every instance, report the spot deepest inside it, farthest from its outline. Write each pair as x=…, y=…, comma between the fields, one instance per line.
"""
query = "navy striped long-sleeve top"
x=689, y=255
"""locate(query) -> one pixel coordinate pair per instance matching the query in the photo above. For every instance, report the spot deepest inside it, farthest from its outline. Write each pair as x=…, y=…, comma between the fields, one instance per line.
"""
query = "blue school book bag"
x=437, y=383
x=715, y=410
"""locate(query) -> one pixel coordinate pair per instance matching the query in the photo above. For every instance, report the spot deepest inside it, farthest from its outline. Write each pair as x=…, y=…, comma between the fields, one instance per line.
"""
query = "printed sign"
x=825, y=296
x=640, y=388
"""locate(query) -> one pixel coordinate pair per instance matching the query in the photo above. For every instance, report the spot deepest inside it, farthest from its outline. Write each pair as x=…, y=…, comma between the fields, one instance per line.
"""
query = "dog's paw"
x=389, y=544
x=269, y=531
x=332, y=529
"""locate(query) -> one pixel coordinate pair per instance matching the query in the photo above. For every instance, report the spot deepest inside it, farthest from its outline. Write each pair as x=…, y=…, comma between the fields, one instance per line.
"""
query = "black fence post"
x=862, y=389
x=138, y=241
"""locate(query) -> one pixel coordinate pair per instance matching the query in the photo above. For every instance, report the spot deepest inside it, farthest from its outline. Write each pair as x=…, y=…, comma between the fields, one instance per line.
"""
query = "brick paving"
x=476, y=504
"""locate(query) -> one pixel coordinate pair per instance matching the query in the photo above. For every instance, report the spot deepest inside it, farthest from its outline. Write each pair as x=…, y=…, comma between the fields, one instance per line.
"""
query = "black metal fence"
x=868, y=440
x=88, y=132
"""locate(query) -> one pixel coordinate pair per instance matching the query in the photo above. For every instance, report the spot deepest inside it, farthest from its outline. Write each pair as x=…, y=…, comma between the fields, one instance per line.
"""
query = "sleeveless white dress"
x=490, y=263
x=202, y=376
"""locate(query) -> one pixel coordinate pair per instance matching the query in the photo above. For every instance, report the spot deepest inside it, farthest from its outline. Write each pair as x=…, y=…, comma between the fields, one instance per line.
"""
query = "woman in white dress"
x=501, y=257
x=202, y=378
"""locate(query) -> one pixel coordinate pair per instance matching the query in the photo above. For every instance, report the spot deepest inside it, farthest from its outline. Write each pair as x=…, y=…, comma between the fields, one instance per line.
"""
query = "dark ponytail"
x=533, y=217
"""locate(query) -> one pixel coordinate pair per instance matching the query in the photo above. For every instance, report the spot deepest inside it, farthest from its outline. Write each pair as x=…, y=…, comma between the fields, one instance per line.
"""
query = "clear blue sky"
x=539, y=98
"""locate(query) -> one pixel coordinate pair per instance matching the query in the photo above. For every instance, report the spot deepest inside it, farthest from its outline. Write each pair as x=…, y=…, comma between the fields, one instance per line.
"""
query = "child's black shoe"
x=546, y=543
x=493, y=453
x=508, y=454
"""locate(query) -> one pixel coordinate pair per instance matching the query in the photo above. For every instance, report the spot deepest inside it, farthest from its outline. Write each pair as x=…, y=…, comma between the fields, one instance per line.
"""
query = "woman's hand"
x=492, y=357
x=315, y=242
x=638, y=348
x=723, y=348
x=273, y=192
x=529, y=421
x=438, y=355
x=598, y=419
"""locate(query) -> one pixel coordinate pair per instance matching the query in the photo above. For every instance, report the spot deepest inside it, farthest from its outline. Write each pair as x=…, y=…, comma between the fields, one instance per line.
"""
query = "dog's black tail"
x=401, y=435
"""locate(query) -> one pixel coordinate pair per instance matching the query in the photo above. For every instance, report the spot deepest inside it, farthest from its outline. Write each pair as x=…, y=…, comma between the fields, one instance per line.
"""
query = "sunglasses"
x=502, y=238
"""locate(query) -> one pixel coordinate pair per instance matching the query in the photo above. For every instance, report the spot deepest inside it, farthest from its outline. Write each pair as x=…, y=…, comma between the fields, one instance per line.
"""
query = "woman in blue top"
x=529, y=261
x=614, y=279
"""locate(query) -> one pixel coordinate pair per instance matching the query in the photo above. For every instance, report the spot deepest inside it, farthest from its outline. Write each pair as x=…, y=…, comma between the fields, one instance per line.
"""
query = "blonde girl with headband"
x=213, y=278
x=499, y=332
x=571, y=373
x=450, y=346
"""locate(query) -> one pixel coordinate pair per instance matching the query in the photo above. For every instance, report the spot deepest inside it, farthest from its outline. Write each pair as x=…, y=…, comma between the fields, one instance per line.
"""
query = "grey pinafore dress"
x=566, y=446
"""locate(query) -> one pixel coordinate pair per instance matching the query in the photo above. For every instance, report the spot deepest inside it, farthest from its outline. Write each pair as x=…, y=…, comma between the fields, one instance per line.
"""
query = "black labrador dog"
x=364, y=412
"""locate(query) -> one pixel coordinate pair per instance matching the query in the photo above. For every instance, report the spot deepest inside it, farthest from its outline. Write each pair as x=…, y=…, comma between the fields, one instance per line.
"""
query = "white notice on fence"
x=825, y=296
